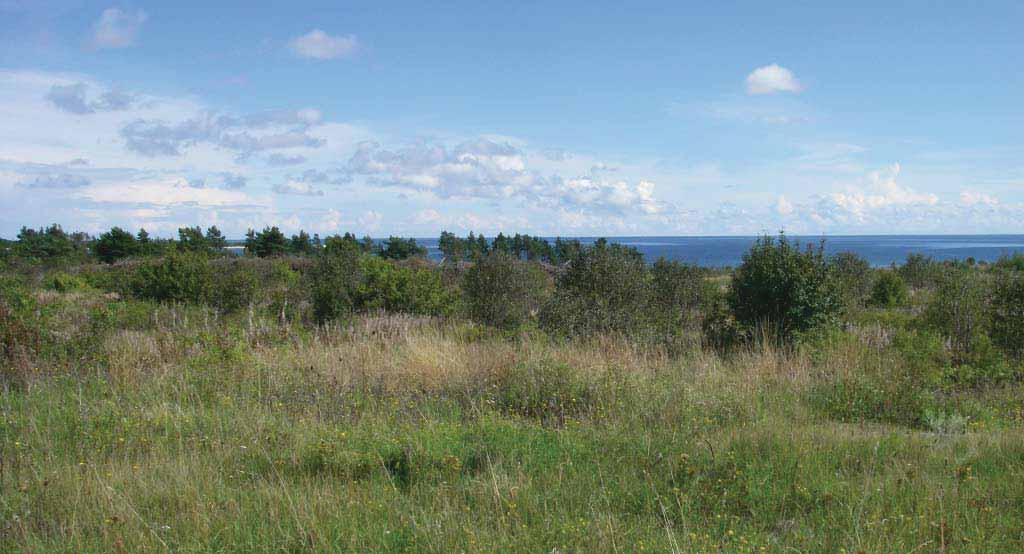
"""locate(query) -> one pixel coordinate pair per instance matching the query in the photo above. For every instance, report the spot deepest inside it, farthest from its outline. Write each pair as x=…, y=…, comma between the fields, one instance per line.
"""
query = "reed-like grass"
x=186, y=432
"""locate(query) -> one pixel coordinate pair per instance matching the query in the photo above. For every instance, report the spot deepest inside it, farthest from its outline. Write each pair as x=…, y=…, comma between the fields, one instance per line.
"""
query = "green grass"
x=185, y=432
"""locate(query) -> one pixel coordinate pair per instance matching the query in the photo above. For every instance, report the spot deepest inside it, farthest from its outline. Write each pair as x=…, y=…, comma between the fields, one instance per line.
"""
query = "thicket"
x=782, y=290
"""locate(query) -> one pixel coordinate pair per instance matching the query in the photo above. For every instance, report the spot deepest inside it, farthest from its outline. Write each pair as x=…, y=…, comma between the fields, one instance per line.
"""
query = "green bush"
x=64, y=282
x=605, y=288
x=959, y=310
x=348, y=283
x=889, y=290
x=854, y=276
x=178, y=277
x=236, y=287
x=503, y=291
x=387, y=286
x=1008, y=313
x=920, y=271
x=679, y=293
x=781, y=290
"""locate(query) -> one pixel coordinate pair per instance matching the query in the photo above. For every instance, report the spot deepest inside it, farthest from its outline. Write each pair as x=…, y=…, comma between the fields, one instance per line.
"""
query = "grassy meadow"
x=137, y=425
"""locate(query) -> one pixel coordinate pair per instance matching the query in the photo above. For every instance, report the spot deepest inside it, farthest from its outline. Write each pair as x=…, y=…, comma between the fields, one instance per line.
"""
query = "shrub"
x=178, y=277
x=605, y=288
x=389, y=287
x=348, y=283
x=854, y=276
x=333, y=280
x=782, y=290
x=1008, y=313
x=679, y=292
x=959, y=310
x=1011, y=263
x=503, y=291
x=889, y=290
x=63, y=282
x=920, y=271
x=236, y=287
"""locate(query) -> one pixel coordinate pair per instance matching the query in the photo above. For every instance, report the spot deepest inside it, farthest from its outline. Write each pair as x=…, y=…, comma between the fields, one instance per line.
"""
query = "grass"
x=182, y=431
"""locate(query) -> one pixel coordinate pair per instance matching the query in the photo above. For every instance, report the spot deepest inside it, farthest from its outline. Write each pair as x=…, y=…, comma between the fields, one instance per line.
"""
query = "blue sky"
x=550, y=118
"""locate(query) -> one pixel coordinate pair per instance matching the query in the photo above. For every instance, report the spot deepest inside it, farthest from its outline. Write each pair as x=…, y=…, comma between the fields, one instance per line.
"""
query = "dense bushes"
x=351, y=282
x=959, y=309
x=605, y=288
x=503, y=291
x=782, y=290
x=888, y=291
x=1008, y=313
x=178, y=277
x=854, y=277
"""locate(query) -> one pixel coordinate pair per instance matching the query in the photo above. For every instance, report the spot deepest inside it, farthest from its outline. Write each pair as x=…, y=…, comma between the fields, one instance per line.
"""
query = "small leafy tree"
x=605, y=288
x=889, y=290
x=783, y=290
x=503, y=291
x=959, y=309
x=178, y=277
x=679, y=292
x=920, y=271
x=854, y=276
x=1008, y=313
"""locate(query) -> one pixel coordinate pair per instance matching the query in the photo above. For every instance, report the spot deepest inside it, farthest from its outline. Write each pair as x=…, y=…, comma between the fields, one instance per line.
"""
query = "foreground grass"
x=196, y=434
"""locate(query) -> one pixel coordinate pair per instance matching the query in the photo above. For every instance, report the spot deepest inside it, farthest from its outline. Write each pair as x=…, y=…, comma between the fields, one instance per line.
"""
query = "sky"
x=550, y=118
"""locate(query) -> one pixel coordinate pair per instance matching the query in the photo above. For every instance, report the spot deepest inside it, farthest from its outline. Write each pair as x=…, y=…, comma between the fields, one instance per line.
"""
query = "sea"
x=879, y=250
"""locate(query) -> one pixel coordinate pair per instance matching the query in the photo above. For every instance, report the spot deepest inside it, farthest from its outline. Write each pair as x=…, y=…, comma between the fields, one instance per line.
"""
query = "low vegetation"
x=341, y=394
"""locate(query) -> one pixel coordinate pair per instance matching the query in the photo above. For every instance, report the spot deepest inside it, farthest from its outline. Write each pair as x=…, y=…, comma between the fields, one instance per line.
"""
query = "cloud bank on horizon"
x=143, y=117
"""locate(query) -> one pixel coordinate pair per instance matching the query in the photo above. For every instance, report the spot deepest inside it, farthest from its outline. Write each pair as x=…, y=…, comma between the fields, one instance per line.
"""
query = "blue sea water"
x=879, y=250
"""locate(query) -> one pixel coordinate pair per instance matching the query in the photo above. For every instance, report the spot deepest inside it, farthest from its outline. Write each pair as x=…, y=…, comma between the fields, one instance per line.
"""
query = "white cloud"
x=297, y=188
x=974, y=198
x=163, y=192
x=318, y=45
x=771, y=79
x=484, y=169
x=117, y=28
x=783, y=206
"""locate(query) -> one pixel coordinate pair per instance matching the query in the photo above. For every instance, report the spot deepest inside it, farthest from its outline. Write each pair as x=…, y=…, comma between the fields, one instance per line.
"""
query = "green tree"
x=397, y=248
x=889, y=290
x=854, y=275
x=959, y=309
x=266, y=243
x=115, y=244
x=1008, y=313
x=605, y=288
x=782, y=290
x=215, y=239
x=503, y=291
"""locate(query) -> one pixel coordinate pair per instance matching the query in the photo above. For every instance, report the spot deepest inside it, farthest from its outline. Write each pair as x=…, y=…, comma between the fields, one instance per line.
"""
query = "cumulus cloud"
x=485, y=169
x=117, y=28
x=319, y=45
x=772, y=79
x=298, y=188
x=55, y=181
x=975, y=198
x=72, y=99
